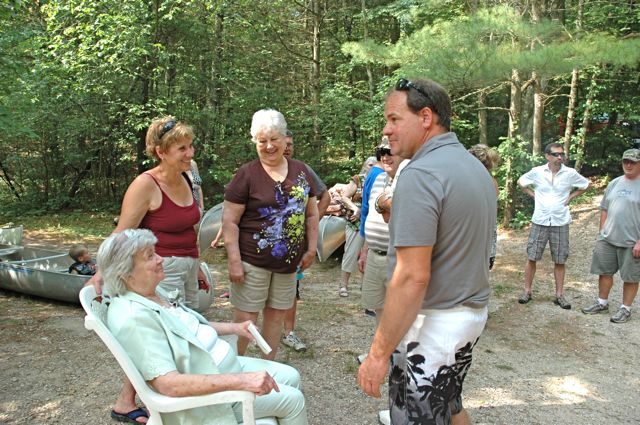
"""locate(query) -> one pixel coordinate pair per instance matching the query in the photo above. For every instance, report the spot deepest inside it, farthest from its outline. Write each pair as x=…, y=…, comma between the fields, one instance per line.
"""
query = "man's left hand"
x=636, y=250
x=372, y=374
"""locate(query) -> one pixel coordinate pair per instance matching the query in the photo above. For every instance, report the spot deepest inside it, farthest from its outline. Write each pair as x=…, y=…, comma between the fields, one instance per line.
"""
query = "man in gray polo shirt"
x=440, y=239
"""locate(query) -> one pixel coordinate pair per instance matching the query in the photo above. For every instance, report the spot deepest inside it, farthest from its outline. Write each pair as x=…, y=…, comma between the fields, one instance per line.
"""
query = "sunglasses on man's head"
x=405, y=85
x=556, y=154
x=384, y=151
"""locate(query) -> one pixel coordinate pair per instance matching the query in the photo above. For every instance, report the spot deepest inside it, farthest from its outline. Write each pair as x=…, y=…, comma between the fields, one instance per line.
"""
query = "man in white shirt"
x=551, y=186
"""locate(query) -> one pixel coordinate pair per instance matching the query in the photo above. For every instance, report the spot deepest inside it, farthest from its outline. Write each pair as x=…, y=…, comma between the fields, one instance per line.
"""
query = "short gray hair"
x=116, y=255
x=268, y=120
x=367, y=164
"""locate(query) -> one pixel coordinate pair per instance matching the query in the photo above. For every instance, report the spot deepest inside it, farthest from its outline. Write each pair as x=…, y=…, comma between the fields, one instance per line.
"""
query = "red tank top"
x=173, y=225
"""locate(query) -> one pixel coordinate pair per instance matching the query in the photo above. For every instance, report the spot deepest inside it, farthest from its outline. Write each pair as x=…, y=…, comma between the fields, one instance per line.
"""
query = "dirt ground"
x=535, y=364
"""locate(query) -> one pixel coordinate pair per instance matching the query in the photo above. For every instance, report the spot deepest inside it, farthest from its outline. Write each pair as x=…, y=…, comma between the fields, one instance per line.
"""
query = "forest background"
x=81, y=80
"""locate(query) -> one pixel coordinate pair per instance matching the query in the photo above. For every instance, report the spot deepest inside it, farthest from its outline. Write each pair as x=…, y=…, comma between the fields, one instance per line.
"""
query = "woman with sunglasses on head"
x=161, y=200
x=270, y=228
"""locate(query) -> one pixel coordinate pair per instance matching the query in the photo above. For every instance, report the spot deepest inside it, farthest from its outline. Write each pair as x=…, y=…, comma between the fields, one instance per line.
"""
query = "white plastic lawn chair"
x=154, y=402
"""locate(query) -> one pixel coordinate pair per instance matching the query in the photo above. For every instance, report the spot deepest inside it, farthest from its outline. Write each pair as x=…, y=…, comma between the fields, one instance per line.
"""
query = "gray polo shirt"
x=445, y=198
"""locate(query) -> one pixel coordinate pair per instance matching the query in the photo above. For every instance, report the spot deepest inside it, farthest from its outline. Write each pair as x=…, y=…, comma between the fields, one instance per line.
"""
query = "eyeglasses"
x=383, y=151
x=167, y=127
x=556, y=154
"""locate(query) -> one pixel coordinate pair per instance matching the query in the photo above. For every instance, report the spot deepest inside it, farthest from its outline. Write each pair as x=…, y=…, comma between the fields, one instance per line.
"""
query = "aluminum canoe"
x=209, y=226
x=331, y=235
x=11, y=235
x=45, y=273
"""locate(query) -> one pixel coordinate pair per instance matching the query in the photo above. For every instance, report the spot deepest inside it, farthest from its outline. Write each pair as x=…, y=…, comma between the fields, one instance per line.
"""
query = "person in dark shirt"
x=83, y=263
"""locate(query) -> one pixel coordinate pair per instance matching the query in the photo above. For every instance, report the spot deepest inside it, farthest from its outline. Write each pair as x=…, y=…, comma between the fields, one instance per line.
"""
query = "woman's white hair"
x=266, y=120
x=367, y=164
x=116, y=255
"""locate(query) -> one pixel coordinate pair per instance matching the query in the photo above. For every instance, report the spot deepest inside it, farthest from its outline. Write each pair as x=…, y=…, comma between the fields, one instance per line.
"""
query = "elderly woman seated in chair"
x=179, y=352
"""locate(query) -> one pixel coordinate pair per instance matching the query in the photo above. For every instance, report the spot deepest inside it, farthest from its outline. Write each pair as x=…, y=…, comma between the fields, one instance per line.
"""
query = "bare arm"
x=603, y=218
x=232, y=213
x=528, y=191
x=404, y=297
x=362, y=258
x=311, y=232
x=240, y=329
x=323, y=203
x=577, y=193
x=135, y=204
x=526, y=188
x=201, y=198
x=216, y=240
x=176, y=384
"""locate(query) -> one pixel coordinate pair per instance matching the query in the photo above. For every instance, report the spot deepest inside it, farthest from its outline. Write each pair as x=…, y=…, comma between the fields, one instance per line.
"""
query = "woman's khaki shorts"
x=181, y=273
x=263, y=288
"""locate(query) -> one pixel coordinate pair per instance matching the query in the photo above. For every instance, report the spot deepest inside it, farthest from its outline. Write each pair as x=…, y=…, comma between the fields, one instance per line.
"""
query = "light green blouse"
x=159, y=343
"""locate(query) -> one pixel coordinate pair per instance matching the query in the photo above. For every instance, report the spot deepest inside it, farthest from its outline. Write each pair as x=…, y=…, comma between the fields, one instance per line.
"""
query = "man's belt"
x=377, y=251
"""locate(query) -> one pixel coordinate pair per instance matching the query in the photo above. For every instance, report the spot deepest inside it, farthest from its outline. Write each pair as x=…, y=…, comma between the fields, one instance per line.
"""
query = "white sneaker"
x=294, y=342
x=384, y=417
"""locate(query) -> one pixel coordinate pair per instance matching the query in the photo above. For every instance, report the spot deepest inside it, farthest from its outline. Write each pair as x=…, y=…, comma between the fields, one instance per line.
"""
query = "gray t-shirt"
x=622, y=202
x=317, y=182
x=445, y=198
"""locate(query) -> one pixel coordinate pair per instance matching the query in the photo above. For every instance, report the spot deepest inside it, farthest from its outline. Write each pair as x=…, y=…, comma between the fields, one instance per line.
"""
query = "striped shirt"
x=376, y=231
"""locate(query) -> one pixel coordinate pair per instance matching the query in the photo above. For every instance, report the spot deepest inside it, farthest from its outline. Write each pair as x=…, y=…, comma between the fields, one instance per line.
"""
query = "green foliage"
x=81, y=80
x=515, y=161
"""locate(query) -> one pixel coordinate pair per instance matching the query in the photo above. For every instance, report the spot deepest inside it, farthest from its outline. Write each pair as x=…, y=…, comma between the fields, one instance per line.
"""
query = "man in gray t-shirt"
x=618, y=241
x=440, y=240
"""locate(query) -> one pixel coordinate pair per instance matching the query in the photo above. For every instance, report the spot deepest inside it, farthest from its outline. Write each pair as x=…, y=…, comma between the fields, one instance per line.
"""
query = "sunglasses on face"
x=628, y=162
x=556, y=154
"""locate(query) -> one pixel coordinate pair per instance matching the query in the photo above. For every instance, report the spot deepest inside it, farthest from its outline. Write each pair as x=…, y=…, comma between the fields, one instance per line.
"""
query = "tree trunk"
x=80, y=177
x=571, y=112
x=538, y=105
x=315, y=71
x=515, y=106
x=482, y=118
x=9, y=180
x=538, y=115
x=365, y=36
x=515, y=111
x=586, y=116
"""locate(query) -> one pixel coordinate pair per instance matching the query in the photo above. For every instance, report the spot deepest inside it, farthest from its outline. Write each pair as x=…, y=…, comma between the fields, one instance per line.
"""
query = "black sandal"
x=131, y=416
